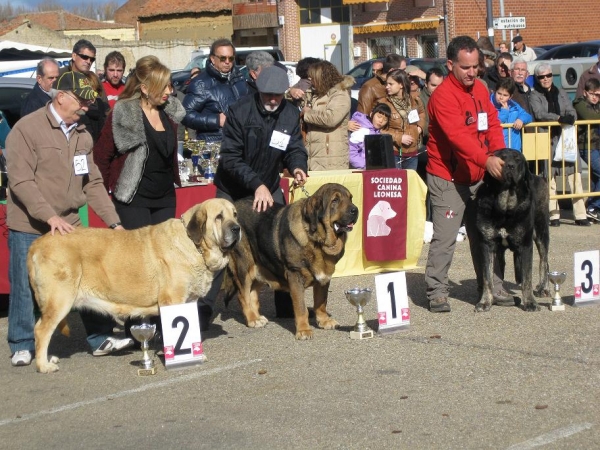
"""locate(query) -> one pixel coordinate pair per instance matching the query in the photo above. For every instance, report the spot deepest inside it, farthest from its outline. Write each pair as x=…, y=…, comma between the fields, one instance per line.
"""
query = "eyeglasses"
x=542, y=77
x=82, y=103
x=225, y=58
x=595, y=94
x=86, y=57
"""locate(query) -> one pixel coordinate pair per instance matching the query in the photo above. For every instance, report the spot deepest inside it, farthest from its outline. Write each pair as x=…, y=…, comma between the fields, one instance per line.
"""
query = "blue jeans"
x=407, y=163
x=20, y=307
x=594, y=172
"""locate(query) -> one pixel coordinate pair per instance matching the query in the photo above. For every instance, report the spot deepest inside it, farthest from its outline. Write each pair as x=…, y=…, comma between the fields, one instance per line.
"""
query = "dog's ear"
x=196, y=227
x=313, y=212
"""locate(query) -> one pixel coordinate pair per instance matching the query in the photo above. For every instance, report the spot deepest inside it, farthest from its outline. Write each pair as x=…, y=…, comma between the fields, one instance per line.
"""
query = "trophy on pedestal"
x=557, y=278
x=359, y=298
x=143, y=333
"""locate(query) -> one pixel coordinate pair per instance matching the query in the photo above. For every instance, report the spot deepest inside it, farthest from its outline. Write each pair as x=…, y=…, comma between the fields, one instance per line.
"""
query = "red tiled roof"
x=63, y=21
x=153, y=8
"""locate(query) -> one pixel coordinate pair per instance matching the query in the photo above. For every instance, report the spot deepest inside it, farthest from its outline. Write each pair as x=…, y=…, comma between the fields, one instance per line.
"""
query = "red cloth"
x=457, y=151
x=385, y=195
x=112, y=93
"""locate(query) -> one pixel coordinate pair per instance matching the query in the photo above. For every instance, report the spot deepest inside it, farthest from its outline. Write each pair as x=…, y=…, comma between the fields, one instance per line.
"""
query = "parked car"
x=13, y=92
x=577, y=50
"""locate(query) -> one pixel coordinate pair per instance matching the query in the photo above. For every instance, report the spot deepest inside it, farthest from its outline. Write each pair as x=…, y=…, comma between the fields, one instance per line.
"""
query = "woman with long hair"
x=407, y=120
x=326, y=118
x=137, y=150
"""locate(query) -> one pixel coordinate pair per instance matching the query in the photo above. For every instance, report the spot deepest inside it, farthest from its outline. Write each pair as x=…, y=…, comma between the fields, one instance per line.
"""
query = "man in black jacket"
x=46, y=73
x=209, y=95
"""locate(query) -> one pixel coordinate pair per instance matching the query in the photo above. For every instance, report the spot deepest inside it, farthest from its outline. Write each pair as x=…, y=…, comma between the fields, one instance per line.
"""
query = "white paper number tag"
x=393, y=312
x=279, y=140
x=80, y=164
x=181, y=335
x=586, y=277
x=413, y=116
x=482, y=124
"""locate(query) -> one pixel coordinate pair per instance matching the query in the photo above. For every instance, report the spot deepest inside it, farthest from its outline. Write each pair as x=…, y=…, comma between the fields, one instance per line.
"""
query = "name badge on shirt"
x=80, y=164
x=413, y=116
x=279, y=140
x=482, y=124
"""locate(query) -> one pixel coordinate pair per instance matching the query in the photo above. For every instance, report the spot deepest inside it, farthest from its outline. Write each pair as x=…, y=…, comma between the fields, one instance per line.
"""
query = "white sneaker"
x=21, y=358
x=462, y=234
x=111, y=345
x=428, y=236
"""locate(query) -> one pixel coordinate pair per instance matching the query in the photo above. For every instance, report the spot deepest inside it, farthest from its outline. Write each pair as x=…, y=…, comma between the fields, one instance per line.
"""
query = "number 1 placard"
x=586, y=277
x=181, y=335
x=393, y=312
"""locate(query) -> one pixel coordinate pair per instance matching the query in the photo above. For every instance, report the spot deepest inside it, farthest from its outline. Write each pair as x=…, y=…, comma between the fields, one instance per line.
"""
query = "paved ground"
x=503, y=379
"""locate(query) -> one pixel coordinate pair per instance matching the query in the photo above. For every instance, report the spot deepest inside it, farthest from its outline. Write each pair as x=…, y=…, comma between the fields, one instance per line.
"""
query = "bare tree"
x=91, y=10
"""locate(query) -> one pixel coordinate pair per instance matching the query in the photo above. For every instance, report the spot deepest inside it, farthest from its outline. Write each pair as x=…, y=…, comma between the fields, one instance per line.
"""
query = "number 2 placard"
x=586, y=276
x=393, y=312
x=181, y=335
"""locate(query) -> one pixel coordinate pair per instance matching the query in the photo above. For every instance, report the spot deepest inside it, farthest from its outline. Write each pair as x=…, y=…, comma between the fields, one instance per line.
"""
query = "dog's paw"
x=49, y=366
x=303, y=335
x=541, y=292
x=531, y=306
x=482, y=307
x=328, y=323
x=258, y=323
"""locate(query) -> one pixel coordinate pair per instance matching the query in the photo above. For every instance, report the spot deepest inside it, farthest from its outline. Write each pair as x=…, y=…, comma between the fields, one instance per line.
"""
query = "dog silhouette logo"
x=378, y=216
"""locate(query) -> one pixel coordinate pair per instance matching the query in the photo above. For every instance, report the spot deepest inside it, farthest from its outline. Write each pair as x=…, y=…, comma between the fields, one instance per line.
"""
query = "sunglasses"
x=82, y=103
x=86, y=57
x=225, y=58
x=541, y=77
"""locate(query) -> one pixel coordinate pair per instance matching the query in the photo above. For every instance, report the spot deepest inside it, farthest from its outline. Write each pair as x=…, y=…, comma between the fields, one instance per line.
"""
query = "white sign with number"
x=181, y=335
x=586, y=276
x=393, y=312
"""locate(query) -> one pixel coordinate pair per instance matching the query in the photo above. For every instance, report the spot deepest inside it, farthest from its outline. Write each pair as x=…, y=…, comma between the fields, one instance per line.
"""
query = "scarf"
x=401, y=105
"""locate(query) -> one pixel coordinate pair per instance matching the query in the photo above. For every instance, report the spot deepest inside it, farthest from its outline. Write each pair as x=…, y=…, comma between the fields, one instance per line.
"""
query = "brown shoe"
x=503, y=298
x=439, y=304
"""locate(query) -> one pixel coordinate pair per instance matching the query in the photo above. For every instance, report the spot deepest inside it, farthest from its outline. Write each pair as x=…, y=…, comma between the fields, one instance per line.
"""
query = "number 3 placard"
x=393, y=312
x=181, y=335
x=586, y=276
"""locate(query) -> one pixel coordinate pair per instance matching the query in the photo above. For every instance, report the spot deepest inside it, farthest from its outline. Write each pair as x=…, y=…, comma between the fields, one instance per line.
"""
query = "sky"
x=67, y=4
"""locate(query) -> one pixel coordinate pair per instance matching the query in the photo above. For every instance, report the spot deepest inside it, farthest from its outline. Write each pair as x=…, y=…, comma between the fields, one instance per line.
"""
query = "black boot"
x=205, y=315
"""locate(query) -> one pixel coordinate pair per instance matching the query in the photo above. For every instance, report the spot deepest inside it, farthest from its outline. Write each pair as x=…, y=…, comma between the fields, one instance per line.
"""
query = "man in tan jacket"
x=52, y=175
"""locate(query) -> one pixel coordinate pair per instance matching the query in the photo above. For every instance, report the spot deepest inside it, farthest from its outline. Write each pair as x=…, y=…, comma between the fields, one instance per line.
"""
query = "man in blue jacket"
x=210, y=94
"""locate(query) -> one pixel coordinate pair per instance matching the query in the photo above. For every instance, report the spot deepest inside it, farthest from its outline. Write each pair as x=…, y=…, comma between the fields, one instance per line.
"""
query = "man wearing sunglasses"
x=82, y=60
x=210, y=94
x=52, y=174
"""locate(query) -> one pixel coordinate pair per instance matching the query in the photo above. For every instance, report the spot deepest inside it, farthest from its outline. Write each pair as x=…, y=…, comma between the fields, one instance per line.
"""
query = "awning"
x=422, y=23
x=358, y=2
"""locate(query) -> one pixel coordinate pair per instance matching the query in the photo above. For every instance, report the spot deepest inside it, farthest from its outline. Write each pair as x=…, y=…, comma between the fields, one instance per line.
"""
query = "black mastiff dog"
x=513, y=213
x=292, y=248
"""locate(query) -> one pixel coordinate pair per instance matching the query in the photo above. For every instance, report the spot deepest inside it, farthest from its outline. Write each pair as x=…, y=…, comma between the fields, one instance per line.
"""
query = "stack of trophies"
x=205, y=158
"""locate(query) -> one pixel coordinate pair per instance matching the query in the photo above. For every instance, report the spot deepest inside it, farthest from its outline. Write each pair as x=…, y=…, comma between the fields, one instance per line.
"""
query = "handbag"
x=566, y=148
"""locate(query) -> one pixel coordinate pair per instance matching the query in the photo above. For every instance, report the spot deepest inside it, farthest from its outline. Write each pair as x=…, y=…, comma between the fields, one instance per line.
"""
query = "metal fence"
x=537, y=143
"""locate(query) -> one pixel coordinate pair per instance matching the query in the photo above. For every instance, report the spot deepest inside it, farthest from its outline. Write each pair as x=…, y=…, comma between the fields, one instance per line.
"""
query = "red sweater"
x=112, y=93
x=457, y=151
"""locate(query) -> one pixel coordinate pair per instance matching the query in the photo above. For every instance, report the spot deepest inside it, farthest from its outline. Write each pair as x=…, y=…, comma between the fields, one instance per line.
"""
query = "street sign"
x=509, y=23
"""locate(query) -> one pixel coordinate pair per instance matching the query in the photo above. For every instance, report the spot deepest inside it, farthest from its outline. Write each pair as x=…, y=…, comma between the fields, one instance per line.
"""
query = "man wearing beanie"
x=521, y=50
x=52, y=175
x=261, y=135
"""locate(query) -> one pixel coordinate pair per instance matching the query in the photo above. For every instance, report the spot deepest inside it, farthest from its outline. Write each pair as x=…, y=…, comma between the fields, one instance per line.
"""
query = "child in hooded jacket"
x=509, y=111
x=372, y=124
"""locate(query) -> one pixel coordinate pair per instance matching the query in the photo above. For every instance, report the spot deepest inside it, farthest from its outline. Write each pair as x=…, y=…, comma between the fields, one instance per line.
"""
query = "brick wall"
x=289, y=33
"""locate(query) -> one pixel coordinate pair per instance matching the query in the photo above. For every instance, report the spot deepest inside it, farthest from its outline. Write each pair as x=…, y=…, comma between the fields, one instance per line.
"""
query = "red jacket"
x=457, y=151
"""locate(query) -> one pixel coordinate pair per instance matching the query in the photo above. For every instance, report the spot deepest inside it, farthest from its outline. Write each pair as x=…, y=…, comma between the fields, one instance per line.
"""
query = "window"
x=323, y=11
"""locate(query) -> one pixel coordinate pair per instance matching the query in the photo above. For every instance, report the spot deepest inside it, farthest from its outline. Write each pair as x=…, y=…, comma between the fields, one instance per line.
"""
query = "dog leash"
x=302, y=188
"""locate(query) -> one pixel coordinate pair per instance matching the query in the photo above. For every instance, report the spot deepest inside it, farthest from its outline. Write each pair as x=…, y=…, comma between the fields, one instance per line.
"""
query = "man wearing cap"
x=261, y=134
x=52, y=174
x=521, y=50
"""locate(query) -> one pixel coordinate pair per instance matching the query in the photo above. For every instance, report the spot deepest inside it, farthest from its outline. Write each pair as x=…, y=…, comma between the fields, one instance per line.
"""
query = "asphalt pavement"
x=506, y=379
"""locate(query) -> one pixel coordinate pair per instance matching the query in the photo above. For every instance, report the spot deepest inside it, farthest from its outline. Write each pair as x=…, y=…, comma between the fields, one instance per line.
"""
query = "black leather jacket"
x=208, y=95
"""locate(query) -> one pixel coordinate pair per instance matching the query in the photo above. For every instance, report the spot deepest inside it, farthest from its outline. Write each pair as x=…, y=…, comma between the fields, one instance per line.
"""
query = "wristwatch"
x=114, y=225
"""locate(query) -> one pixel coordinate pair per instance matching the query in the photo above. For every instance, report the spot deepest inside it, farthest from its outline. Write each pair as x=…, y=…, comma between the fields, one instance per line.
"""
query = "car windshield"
x=198, y=61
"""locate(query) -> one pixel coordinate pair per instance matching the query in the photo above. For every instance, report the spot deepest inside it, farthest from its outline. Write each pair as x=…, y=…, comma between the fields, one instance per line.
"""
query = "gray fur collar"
x=130, y=137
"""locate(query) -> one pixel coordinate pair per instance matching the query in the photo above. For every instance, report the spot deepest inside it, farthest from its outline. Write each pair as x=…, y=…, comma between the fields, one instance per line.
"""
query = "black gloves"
x=566, y=119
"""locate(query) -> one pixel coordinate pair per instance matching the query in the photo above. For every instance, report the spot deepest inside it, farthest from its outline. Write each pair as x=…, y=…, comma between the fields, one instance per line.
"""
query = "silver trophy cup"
x=557, y=278
x=359, y=298
x=143, y=333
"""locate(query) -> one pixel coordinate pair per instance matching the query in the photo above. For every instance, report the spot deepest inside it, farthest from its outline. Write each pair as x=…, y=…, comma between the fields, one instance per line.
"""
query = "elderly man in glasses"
x=52, y=175
x=550, y=103
x=210, y=94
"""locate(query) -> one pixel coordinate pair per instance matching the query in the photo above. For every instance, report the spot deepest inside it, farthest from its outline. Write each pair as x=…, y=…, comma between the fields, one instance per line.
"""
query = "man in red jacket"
x=464, y=132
